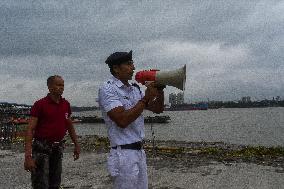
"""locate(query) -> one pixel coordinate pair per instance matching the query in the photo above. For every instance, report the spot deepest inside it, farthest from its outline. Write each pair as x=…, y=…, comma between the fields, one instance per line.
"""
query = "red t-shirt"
x=52, y=118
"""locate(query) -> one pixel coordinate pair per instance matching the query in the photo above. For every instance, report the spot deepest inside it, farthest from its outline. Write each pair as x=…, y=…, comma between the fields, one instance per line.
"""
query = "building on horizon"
x=246, y=99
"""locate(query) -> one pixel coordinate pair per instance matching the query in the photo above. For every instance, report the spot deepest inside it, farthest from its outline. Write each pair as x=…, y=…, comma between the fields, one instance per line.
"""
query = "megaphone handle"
x=147, y=83
x=160, y=87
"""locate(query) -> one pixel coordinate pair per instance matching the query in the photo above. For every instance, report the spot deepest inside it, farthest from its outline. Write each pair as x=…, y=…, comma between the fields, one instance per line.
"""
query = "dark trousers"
x=48, y=160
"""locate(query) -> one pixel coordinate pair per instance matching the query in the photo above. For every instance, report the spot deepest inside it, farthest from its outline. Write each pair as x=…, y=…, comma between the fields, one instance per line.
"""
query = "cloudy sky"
x=231, y=48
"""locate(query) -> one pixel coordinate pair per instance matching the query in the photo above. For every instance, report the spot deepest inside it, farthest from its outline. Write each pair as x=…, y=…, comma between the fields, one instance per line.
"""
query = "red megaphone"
x=145, y=75
x=175, y=78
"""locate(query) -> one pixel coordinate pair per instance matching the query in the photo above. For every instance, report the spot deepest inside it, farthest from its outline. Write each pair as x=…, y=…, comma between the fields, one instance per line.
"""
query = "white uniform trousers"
x=128, y=168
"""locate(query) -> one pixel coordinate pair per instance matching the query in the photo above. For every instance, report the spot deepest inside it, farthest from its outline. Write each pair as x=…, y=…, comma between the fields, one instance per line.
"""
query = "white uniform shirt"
x=114, y=94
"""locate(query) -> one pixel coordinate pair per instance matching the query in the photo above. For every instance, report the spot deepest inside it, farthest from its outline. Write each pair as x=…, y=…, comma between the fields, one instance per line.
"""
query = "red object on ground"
x=145, y=75
x=20, y=120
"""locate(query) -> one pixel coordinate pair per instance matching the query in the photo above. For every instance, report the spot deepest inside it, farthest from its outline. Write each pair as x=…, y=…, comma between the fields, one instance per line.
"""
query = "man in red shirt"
x=49, y=122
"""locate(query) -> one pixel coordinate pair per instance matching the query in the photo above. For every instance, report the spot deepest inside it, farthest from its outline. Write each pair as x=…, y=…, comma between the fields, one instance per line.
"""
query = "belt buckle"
x=118, y=147
x=141, y=144
x=55, y=144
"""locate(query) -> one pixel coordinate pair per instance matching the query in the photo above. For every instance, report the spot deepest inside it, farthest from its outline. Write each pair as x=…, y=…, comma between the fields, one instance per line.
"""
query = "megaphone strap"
x=138, y=87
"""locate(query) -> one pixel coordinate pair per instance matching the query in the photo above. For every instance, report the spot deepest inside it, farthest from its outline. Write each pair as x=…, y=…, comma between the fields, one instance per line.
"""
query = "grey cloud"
x=216, y=39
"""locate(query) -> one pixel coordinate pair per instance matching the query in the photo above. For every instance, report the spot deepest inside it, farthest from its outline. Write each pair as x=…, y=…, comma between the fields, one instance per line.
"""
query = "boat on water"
x=185, y=107
x=157, y=119
x=96, y=119
x=87, y=119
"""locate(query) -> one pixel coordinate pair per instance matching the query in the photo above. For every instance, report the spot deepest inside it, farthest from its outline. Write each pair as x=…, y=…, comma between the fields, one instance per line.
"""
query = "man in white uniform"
x=122, y=105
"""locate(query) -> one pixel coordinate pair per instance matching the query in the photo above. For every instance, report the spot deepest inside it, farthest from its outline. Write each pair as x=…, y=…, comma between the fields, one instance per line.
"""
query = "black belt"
x=47, y=147
x=132, y=146
x=50, y=143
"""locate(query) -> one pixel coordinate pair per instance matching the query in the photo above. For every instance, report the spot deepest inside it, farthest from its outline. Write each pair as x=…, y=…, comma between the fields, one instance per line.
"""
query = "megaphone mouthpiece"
x=145, y=75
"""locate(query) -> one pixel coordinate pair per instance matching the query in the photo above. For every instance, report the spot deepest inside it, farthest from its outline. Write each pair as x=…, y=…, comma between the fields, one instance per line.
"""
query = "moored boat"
x=88, y=119
x=185, y=107
x=157, y=119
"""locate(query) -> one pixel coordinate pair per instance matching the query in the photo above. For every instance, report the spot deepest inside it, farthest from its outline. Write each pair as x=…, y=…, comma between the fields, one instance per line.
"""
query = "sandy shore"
x=90, y=172
x=192, y=171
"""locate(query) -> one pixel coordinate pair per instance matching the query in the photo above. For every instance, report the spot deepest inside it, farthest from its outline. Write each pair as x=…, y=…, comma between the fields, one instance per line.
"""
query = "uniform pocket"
x=113, y=163
x=128, y=161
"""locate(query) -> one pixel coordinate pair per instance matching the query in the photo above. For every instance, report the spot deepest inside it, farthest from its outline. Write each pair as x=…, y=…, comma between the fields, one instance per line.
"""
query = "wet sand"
x=194, y=170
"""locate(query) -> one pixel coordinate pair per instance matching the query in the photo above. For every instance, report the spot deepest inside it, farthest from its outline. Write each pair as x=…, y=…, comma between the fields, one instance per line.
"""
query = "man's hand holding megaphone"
x=154, y=95
x=156, y=81
x=154, y=89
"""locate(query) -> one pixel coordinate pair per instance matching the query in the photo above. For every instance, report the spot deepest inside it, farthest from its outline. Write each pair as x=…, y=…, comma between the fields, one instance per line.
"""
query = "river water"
x=248, y=126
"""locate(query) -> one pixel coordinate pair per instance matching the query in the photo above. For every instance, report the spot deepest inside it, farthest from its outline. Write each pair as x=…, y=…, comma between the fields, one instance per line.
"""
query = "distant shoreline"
x=211, y=105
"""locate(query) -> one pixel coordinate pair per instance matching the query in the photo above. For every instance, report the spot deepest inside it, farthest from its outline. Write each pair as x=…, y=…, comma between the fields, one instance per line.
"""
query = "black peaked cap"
x=119, y=57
